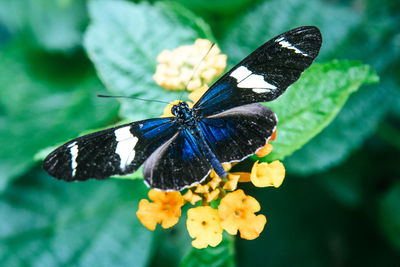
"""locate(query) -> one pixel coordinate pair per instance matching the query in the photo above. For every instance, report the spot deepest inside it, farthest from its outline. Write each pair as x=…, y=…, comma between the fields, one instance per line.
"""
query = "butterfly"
x=225, y=125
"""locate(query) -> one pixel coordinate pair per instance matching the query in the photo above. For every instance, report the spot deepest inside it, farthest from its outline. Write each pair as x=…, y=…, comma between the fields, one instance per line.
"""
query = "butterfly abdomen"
x=208, y=153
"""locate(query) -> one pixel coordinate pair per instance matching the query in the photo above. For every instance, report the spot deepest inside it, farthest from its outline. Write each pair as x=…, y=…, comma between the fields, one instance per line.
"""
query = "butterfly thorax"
x=184, y=115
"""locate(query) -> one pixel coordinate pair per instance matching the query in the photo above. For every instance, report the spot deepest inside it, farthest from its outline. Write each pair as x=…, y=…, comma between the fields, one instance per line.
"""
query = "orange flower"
x=273, y=136
x=265, y=150
x=203, y=224
x=236, y=211
x=244, y=177
x=264, y=174
x=166, y=209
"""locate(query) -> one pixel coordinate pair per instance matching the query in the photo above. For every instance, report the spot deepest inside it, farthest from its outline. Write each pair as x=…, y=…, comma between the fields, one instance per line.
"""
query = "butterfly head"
x=183, y=113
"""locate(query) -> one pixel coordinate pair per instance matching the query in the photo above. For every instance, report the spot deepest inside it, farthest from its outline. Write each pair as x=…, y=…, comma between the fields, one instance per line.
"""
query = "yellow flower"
x=166, y=209
x=236, y=211
x=202, y=189
x=175, y=68
x=198, y=93
x=213, y=195
x=226, y=166
x=191, y=197
x=214, y=182
x=232, y=182
x=203, y=225
x=264, y=174
x=167, y=110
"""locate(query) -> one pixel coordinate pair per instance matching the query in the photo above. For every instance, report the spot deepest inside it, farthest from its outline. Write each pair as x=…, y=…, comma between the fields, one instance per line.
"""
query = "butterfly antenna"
x=131, y=97
x=195, y=69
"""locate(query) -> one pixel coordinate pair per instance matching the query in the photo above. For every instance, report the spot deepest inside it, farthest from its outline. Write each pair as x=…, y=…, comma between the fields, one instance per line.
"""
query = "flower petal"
x=166, y=209
x=147, y=214
x=203, y=225
x=191, y=197
x=264, y=174
x=265, y=150
x=236, y=211
x=187, y=67
x=232, y=183
x=213, y=195
x=254, y=227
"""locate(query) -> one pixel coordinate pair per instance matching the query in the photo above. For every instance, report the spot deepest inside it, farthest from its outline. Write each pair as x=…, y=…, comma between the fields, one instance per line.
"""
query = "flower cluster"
x=219, y=205
x=176, y=68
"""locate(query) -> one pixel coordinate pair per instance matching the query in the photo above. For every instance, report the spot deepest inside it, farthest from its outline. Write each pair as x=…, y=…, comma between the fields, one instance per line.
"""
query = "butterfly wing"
x=177, y=164
x=239, y=132
x=115, y=151
x=265, y=74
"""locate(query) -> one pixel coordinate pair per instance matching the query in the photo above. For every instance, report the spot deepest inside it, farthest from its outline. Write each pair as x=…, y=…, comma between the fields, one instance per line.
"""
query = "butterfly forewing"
x=265, y=74
x=115, y=151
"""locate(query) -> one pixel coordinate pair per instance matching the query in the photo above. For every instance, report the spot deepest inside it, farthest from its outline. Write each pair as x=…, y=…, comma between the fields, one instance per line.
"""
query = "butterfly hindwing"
x=238, y=132
x=265, y=74
x=115, y=151
x=177, y=164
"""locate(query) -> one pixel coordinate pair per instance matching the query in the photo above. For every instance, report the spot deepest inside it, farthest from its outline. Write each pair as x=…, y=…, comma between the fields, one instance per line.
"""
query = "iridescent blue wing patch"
x=115, y=151
x=177, y=164
x=264, y=74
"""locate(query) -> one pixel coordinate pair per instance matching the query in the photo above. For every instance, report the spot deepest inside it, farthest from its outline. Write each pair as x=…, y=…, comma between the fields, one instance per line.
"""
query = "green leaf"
x=221, y=255
x=220, y=7
x=124, y=39
x=390, y=215
x=175, y=243
x=54, y=25
x=357, y=120
x=44, y=100
x=53, y=223
x=313, y=101
x=271, y=18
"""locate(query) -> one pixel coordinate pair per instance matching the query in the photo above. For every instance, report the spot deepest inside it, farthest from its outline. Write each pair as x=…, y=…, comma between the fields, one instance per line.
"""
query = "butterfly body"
x=225, y=125
x=184, y=115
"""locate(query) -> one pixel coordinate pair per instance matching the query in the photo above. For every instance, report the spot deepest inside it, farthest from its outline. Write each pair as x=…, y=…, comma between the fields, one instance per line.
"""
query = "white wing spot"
x=241, y=73
x=73, y=149
x=288, y=45
x=260, y=90
x=125, y=146
x=246, y=79
x=256, y=81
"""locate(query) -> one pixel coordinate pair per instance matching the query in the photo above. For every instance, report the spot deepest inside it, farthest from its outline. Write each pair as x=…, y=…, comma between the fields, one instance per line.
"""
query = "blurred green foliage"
x=340, y=202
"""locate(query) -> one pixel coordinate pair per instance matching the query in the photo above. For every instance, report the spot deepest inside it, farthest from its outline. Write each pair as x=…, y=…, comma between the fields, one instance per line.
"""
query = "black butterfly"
x=225, y=125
